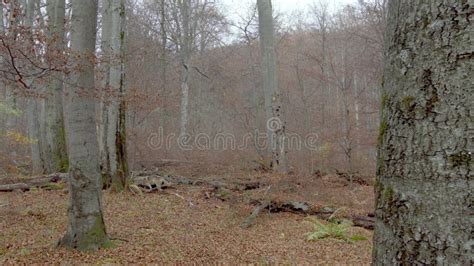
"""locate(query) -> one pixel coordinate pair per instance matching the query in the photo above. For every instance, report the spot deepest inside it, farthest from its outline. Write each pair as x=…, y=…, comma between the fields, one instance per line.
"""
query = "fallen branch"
x=249, y=220
x=25, y=184
x=14, y=187
x=191, y=204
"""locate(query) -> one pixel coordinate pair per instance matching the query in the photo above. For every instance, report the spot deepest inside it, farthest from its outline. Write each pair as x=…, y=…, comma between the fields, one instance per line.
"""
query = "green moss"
x=388, y=194
x=460, y=159
x=358, y=238
x=223, y=194
x=383, y=102
x=382, y=130
x=96, y=237
x=407, y=103
x=61, y=154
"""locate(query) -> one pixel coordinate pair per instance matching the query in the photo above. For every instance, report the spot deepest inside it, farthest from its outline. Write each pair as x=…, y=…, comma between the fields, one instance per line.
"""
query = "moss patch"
x=408, y=103
x=96, y=237
x=383, y=102
x=460, y=159
x=382, y=130
x=388, y=194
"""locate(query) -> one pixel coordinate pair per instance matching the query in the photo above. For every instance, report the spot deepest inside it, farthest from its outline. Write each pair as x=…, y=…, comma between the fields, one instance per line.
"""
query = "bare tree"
x=55, y=139
x=114, y=153
x=273, y=97
x=86, y=227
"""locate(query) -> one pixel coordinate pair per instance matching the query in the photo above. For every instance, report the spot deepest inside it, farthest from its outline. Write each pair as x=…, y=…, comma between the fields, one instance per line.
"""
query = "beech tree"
x=272, y=95
x=55, y=154
x=424, y=179
x=113, y=108
x=86, y=228
x=32, y=104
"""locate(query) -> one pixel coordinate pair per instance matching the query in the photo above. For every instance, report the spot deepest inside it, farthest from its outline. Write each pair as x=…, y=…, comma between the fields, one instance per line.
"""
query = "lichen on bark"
x=424, y=175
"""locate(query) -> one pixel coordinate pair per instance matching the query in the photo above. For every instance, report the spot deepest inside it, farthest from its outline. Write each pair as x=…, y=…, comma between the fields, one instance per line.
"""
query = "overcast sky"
x=235, y=9
x=284, y=6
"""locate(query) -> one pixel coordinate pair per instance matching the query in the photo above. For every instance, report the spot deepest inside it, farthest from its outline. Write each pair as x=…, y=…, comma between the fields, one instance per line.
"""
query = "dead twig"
x=183, y=198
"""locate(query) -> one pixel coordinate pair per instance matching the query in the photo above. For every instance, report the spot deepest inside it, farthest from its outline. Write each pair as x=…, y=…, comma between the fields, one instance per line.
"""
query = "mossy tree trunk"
x=424, y=176
x=86, y=228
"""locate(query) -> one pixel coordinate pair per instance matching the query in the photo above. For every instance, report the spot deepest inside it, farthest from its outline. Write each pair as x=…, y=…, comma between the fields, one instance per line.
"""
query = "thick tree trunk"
x=55, y=140
x=273, y=97
x=424, y=179
x=86, y=228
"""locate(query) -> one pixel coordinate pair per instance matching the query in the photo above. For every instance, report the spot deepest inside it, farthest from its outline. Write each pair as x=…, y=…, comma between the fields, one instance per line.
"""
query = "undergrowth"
x=335, y=229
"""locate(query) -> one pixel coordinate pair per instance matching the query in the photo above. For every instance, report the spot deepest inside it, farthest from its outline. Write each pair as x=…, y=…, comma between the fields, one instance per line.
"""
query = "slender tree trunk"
x=163, y=65
x=105, y=47
x=3, y=117
x=32, y=101
x=273, y=97
x=11, y=98
x=55, y=139
x=86, y=228
x=185, y=51
x=424, y=176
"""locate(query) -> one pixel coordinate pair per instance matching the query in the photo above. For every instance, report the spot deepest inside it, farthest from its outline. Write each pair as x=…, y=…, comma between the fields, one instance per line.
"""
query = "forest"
x=236, y=132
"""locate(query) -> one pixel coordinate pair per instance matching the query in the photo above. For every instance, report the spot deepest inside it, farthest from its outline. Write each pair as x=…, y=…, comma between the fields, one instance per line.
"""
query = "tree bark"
x=116, y=135
x=10, y=96
x=114, y=153
x=55, y=140
x=273, y=98
x=185, y=50
x=86, y=228
x=105, y=48
x=33, y=102
x=424, y=176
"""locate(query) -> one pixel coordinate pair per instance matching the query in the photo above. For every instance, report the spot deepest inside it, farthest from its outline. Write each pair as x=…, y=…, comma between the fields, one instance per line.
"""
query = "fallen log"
x=154, y=181
x=304, y=208
x=25, y=184
x=364, y=222
x=146, y=179
x=14, y=187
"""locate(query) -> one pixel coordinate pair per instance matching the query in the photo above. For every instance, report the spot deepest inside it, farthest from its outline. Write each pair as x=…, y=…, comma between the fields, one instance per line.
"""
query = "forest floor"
x=184, y=224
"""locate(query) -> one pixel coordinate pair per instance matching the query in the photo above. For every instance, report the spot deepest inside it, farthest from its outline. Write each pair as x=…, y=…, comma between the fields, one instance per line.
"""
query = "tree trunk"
x=55, y=140
x=116, y=135
x=273, y=98
x=33, y=107
x=113, y=108
x=105, y=48
x=86, y=228
x=424, y=177
x=10, y=97
x=185, y=51
x=163, y=66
